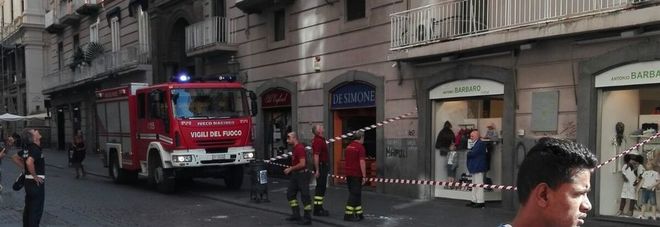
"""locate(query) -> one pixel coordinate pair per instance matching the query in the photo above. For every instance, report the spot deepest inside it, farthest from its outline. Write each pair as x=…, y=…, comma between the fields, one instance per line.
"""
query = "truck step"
x=144, y=171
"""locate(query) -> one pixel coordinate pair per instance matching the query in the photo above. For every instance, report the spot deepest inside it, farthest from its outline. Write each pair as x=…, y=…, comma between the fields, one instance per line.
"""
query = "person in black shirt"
x=35, y=174
x=78, y=146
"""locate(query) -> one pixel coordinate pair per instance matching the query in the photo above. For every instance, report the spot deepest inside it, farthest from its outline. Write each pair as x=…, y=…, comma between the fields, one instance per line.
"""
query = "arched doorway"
x=355, y=99
x=175, y=59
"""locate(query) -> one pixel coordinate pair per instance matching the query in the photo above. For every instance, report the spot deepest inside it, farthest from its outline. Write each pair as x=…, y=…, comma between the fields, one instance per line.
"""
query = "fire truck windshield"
x=197, y=103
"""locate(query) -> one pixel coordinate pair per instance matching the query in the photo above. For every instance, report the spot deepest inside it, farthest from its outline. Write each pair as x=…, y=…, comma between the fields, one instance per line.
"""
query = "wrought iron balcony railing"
x=209, y=32
x=125, y=59
x=456, y=19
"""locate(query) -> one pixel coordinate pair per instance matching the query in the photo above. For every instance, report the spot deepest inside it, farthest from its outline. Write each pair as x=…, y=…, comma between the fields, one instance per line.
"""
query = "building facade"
x=91, y=45
x=326, y=62
x=568, y=69
x=21, y=44
x=529, y=68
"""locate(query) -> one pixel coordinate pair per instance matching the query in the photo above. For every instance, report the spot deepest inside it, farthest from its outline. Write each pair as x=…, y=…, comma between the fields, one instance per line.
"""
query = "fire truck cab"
x=176, y=131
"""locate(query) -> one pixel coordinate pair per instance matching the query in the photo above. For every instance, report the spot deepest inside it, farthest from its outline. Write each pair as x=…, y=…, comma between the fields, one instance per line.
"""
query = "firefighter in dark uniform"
x=299, y=182
x=320, y=149
x=35, y=174
x=356, y=176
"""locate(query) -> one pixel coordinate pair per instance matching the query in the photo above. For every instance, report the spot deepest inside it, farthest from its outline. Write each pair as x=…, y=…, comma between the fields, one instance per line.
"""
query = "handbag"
x=20, y=181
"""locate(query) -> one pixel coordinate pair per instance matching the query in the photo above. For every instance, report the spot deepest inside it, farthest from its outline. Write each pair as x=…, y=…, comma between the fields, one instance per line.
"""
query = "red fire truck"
x=176, y=131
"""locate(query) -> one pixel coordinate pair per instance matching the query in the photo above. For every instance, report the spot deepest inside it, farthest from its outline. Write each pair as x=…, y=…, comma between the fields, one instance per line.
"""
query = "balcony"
x=127, y=59
x=452, y=20
x=257, y=6
x=9, y=29
x=87, y=7
x=215, y=34
x=68, y=14
x=52, y=22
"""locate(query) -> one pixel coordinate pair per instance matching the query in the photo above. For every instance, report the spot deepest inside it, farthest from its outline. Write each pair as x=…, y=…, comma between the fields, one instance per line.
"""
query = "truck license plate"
x=218, y=156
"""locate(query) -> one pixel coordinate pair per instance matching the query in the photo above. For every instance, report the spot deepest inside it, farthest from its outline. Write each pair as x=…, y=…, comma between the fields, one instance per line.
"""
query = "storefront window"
x=627, y=116
x=483, y=113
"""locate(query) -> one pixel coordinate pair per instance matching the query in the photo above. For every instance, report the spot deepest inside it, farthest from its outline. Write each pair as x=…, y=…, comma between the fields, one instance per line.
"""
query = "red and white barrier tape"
x=432, y=182
x=348, y=135
x=628, y=150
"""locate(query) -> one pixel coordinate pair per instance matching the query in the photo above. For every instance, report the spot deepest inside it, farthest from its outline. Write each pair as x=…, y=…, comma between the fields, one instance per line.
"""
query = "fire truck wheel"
x=234, y=177
x=162, y=178
x=119, y=175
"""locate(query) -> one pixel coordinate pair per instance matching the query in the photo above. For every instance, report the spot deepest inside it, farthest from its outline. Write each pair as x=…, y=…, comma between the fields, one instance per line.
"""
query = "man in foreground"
x=553, y=183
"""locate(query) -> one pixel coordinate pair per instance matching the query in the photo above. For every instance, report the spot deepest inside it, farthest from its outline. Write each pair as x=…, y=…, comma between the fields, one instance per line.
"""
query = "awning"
x=41, y=116
x=11, y=117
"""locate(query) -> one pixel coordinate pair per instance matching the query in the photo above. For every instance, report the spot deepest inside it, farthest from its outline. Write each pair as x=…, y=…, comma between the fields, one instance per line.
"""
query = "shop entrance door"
x=277, y=123
x=348, y=120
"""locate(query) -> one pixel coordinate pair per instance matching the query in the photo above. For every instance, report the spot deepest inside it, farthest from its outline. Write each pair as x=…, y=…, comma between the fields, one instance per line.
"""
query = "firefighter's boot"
x=350, y=215
x=358, y=213
x=295, y=211
x=318, y=207
x=307, y=218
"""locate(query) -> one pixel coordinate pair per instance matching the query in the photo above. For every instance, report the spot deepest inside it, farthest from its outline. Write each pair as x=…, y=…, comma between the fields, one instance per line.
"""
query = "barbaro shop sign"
x=353, y=95
x=632, y=74
x=466, y=88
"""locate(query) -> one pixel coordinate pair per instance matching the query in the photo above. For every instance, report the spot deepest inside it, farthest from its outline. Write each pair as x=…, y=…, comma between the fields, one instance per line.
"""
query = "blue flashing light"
x=183, y=77
x=227, y=77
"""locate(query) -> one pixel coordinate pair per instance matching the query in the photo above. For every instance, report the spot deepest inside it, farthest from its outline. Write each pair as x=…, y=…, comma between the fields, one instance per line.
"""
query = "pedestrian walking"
x=553, y=183
x=320, y=149
x=5, y=146
x=477, y=164
x=79, y=152
x=299, y=182
x=35, y=175
x=356, y=176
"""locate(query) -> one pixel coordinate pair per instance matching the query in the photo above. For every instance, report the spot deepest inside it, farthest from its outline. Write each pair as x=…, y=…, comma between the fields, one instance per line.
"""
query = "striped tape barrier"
x=347, y=135
x=431, y=182
x=636, y=146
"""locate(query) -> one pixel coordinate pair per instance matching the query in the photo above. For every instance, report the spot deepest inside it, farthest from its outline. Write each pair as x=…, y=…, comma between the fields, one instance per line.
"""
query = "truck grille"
x=209, y=143
x=216, y=150
x=217, y=161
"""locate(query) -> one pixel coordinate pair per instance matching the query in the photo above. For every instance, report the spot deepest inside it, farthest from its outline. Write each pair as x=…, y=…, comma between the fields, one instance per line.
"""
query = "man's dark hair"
x=554, y=162
x=17, y=140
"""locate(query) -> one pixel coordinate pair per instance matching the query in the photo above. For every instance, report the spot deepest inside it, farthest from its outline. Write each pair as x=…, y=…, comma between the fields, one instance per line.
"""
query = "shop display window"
x=627, y=117
x=472, y=113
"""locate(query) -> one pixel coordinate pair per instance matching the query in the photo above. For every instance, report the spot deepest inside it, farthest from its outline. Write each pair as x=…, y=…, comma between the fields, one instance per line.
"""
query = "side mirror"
x=156, y=96
x=253, y=103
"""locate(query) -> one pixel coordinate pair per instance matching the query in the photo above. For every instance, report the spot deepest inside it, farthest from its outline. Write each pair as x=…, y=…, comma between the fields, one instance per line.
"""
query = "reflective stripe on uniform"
x=350, y=210
x=308, y=207
x=318, y=200
x=293, y=203
x=358, y=209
